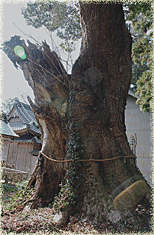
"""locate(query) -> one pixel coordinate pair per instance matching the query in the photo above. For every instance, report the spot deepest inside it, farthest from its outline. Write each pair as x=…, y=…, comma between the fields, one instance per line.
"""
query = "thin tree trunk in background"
x=82, y=118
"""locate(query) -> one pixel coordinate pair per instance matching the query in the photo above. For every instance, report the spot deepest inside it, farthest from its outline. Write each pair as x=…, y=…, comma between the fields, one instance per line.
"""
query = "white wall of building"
x=138, y=122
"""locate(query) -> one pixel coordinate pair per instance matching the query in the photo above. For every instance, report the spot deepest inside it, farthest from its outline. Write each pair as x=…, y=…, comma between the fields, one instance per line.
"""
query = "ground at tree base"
x=40, y=221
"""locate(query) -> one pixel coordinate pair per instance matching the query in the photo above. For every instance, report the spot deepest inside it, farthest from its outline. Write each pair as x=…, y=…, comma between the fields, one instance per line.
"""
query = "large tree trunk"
x=82, y=119
x=99, y=86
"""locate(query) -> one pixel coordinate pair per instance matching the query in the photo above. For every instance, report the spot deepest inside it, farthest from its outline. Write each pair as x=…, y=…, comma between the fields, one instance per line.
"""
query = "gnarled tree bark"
x=81, y=117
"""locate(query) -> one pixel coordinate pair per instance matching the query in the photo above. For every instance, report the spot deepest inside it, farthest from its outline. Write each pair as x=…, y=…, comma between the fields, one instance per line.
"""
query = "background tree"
x=85, y=166
x=60, y=17
x=8, y=104
x=140, y=15
x=6, y=107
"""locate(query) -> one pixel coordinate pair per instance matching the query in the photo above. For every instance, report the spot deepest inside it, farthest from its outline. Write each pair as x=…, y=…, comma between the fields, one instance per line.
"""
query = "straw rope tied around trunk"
x=87, y=160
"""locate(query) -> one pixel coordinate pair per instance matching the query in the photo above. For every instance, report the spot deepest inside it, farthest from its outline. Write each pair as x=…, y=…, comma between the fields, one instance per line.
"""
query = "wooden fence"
x=13, y=175
x=17, y=161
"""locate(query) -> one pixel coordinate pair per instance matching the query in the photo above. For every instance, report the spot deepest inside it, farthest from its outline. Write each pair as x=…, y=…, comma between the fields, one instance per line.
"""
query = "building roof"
x=5, y=129
x=26, y=116
x=32, y=140
x=34, y=152
x=131, y=93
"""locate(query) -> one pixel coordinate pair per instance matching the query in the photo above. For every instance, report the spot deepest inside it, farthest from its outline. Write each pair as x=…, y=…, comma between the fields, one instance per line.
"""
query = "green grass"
x=12, y=188
x=8, y=188
x=12, y=195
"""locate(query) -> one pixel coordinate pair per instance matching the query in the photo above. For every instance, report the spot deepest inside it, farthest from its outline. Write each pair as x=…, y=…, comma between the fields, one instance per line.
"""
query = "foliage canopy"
x=140, y=15
x=62, y=17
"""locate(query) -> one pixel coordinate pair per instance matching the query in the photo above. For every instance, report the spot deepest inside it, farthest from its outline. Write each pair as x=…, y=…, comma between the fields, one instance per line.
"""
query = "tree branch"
x=43, y=71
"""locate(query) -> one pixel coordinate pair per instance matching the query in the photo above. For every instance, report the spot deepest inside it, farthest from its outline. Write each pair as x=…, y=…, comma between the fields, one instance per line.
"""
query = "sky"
x=12, y=81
